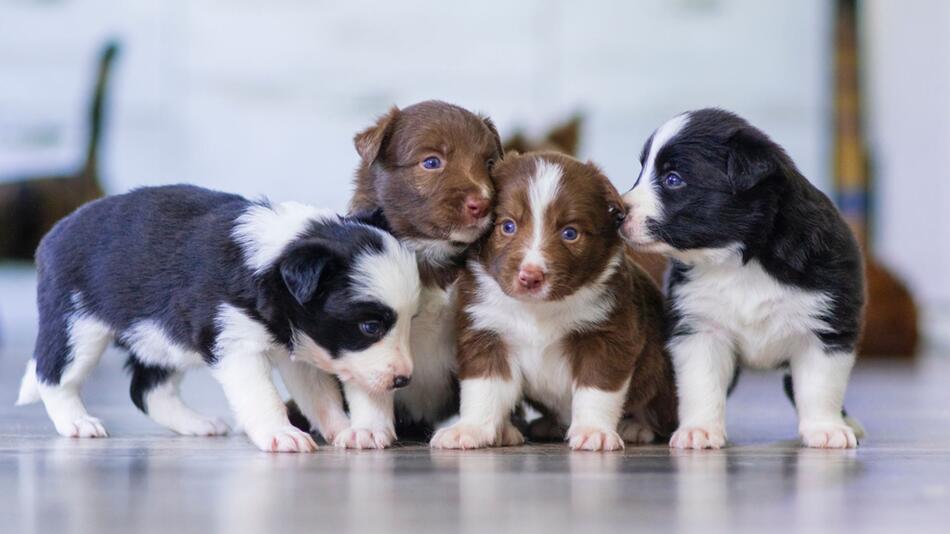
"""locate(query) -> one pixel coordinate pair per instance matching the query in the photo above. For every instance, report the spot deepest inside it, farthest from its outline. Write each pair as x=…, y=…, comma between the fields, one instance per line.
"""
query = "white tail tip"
x=29, y=388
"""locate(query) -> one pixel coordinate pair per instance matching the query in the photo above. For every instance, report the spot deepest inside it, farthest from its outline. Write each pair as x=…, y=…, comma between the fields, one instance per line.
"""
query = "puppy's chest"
x=764, y=317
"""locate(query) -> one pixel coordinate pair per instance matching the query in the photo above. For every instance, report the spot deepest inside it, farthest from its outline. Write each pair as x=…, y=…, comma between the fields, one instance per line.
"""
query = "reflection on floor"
x=142, y=479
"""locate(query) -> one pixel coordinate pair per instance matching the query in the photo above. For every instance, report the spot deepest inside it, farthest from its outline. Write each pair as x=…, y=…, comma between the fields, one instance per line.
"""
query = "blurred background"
x=263, y=98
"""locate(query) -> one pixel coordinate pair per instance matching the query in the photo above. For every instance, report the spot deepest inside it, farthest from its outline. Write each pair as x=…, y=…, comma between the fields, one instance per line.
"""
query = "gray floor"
x=143, y=479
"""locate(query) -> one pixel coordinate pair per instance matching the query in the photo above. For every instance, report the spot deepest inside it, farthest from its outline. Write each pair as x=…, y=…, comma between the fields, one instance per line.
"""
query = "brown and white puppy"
x=425, y=170
x=552, y=310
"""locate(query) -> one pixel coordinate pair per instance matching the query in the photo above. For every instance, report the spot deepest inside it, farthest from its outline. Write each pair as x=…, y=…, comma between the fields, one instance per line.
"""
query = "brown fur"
x=30, y=207
x=629, y=343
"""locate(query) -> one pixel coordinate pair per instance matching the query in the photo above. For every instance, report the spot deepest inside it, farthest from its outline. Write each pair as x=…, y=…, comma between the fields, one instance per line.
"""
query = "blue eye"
x=508, y=227
x=431, y=163
x=569, y=233
x=673, y=181
x=371, y=328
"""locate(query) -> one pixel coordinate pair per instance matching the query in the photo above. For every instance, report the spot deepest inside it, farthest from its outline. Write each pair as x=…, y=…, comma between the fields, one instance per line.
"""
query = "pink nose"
x=476, y=206
x=531, y=277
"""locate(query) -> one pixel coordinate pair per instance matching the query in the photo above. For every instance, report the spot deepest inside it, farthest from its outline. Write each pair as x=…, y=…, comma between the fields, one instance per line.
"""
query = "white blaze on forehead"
x=390, y=276
x=264, y=231
x=543, y=190
x=643, y=198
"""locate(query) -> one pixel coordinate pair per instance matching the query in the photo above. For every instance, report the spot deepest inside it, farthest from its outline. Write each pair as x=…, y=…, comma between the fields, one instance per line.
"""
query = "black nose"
x=401, y=381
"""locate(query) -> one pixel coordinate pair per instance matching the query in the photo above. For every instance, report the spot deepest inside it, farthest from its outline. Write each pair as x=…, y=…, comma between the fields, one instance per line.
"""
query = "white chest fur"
x=765, y=319
x=432, y=341
x=533, y=333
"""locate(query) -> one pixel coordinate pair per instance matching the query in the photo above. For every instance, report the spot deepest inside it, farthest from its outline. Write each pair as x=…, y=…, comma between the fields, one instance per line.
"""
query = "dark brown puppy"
x=553, y=310
x=425, y=170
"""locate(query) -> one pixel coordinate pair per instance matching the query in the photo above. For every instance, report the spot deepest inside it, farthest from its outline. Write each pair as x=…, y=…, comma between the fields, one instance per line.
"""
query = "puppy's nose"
x=530, y=277
x=401, y=381
x=476, y=206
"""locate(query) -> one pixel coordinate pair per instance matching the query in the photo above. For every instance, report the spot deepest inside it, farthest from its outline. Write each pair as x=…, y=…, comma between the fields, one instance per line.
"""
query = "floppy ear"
x=370, y=141
x=303, y=268
x=372, y=217
x=752, y=158
x=494, y=131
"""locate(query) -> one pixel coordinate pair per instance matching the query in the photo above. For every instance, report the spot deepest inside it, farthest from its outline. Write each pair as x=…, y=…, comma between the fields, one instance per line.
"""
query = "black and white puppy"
x=181, y=277
x=765, y=273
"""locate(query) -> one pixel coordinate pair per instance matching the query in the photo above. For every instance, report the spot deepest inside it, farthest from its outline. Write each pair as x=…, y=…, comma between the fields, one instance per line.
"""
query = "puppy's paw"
x=828, y=435
x=698, y=437
x=283, y=439
x=510, y=436
x=635, y=432
x=364, y=438
x=84, y=426
x=460, y=436
x=202, y=426
x=593, y=439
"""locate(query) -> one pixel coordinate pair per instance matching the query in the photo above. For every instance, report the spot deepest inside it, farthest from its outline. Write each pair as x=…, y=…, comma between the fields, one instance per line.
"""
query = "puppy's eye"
x=431, y=163
x=569, y=233
x=673, y=181
x=490, y=163
x=371, y=328
x=508, y=227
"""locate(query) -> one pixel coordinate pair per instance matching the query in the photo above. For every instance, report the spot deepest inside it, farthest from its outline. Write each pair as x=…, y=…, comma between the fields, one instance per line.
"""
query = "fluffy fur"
x=181, y=276
x=553, y=311
x=765, y=272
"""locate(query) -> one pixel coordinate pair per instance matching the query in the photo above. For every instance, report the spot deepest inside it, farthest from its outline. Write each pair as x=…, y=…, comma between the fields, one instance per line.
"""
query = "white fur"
x=166, y=408
x=643, y=200
x=435, y=251
x=88, y=338
x=29, y=387
x=152, y=346
x=316, y=393
x=371, y=417
x=432, y=342
x=486, y=404
x=543, y=190
x=244, y=372
x=737, y=309
x=391, y=277
x=264, y=231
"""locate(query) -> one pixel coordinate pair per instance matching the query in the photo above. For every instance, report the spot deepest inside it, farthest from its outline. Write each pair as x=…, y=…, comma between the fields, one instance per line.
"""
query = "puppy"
x=182, y=277
x=424, y=172
x=553, y=310
x=765, y=273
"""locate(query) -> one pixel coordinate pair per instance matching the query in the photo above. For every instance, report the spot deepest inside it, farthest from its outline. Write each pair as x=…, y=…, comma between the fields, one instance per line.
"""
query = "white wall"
x=264, y=97
x=908, y=70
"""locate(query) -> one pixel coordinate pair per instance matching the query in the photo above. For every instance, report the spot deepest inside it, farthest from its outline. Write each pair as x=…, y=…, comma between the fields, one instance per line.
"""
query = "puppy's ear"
x=566, y=137
x=304, y=266
x=752, y=158
x=494, y=131
x=372, y=217
x=369, y=143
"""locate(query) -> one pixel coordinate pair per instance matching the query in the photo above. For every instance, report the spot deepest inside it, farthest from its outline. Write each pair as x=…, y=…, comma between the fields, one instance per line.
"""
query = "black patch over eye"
x=371, y=328
x=673, y=180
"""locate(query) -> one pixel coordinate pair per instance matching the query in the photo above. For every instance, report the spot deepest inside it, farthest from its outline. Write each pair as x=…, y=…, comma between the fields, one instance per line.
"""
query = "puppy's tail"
x=29, y=387
x=852, y=422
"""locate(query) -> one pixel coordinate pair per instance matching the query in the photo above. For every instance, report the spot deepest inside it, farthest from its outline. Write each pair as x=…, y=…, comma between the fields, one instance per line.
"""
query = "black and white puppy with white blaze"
x=765, y=273
x=182, y=277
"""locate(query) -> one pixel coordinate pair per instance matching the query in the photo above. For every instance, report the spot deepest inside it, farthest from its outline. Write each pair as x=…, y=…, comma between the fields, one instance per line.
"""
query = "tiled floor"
x=143, y=479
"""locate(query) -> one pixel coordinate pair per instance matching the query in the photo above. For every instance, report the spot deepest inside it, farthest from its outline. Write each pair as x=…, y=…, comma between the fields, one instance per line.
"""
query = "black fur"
x=743, y=188
x=167, y=254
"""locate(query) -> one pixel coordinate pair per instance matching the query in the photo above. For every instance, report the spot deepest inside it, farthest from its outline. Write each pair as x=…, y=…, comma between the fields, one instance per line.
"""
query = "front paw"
x=593, y=439
x=546, y=428
x=364, y=438
x=283, y=439
x=635, y=432
x=459, y=436
x=828, y=435
x=698, y=437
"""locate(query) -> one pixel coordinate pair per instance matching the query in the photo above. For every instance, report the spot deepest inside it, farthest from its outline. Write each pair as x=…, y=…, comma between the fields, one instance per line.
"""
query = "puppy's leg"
x=705, y=365
x=594, y=417
x=371, y=419
x=635, y=428
x=820, y=381
x=246, y=379
x=484, y=415
x=317, y=395
x=155, y=390
x=87, y=339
